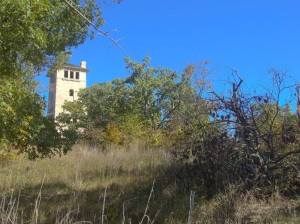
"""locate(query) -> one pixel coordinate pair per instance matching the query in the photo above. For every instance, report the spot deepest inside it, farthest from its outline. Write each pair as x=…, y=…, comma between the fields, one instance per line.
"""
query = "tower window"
x=71, y=75
x=77, y=75
x=71, y=92
x=66, y=74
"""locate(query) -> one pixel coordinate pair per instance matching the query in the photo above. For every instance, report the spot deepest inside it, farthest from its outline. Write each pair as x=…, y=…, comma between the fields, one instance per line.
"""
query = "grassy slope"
x=72, y=188
x=74, y=185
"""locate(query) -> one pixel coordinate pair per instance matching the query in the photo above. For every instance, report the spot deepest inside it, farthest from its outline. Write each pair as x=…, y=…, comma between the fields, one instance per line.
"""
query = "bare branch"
x=93, y=25
x=286, y=155
x=298, y=103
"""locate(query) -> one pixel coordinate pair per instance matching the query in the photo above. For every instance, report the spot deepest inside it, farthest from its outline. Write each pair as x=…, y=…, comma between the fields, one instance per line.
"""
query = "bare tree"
x=264, y=130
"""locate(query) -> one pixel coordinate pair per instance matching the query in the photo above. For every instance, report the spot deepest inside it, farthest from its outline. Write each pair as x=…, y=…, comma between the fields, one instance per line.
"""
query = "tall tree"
x=36, y=35
x=156, y=91
x=145, y=103
x=34, y=32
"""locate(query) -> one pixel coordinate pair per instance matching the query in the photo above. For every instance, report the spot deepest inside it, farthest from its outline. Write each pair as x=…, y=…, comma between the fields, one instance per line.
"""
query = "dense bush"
x=246, y=139
x=250, y=141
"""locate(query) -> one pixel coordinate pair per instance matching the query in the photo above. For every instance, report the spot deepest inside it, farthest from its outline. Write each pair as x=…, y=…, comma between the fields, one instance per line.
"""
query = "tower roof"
x=75, y=67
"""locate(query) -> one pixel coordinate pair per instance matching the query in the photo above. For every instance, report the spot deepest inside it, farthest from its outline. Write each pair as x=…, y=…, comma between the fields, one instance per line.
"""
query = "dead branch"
x=298, y=103
x=93, y=25
x=286, y=155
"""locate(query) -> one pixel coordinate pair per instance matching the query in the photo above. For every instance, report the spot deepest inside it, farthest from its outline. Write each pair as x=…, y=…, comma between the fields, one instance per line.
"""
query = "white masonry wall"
x=59, y=89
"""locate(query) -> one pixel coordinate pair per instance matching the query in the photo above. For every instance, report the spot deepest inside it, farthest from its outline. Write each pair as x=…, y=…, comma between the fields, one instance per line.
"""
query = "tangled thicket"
x=247, y=139
x=251, y=141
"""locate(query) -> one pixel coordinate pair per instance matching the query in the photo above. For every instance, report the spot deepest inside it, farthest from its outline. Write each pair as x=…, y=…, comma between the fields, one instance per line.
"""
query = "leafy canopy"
x=34, y=32
x=146, y=104
x=36, y=35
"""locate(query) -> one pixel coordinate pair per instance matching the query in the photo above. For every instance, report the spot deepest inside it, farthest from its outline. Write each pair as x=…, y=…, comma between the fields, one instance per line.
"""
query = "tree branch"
x=93, y=25
x=298, y=104
x=286, y=155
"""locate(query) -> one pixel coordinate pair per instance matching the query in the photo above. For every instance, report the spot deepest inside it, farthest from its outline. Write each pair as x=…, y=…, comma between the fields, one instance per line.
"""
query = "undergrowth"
x=123, y=186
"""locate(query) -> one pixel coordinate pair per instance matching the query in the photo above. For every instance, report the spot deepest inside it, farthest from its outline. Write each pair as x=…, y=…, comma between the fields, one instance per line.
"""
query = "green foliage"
x=113, y=134
x=155, y=92
x=37, y=35
x=34, y=32
x=242, y=138
x=23, y=128
x=146, y=105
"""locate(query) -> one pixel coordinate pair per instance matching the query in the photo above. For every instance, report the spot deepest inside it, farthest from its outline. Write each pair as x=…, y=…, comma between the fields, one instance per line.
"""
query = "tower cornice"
x=75, y=67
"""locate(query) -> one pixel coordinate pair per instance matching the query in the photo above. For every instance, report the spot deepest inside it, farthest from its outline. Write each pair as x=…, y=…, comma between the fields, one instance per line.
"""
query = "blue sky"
x=249, y=36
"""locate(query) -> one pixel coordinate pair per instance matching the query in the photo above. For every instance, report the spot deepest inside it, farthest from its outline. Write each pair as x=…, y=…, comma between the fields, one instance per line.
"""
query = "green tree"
x=155, y=91
x=37, y=35
x=23, y=128
x=103, y=104
x=34, y=32
x=145, y=104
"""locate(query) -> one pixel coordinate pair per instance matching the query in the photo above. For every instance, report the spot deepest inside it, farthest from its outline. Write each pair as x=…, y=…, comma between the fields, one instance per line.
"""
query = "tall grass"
x=123, y=186
x=84, y=167
x=71, y=188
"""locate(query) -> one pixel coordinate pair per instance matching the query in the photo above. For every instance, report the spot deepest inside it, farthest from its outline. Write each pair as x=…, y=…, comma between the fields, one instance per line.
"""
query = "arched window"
x=71, y=92
x=71, y=95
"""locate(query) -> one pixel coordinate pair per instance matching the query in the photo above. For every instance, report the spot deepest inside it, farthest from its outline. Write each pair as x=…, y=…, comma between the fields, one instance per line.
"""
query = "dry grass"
x=71, y=188
x=234, y=208
x=116, y=186
x=274, y=209
x=84, y=167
